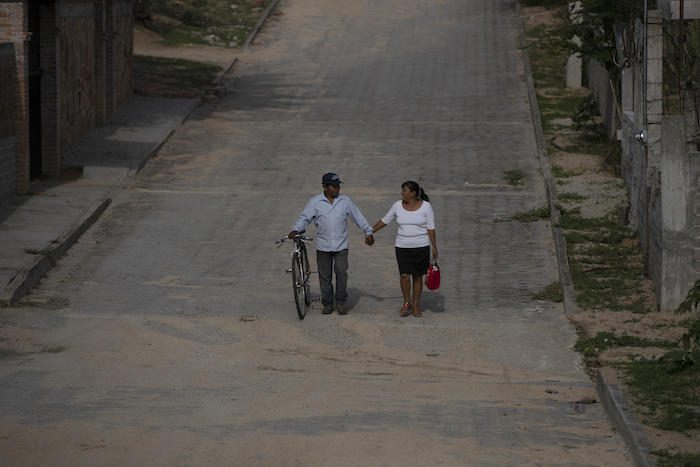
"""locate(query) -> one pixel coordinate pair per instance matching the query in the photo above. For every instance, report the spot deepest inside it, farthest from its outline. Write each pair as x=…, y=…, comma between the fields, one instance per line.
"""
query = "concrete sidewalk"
x=37, y=229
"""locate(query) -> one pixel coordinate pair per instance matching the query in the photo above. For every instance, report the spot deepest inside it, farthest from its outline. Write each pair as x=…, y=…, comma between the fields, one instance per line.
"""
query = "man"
x=330, y=211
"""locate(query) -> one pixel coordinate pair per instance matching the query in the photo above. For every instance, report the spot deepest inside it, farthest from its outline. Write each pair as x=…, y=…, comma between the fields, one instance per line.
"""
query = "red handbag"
x=432, y=278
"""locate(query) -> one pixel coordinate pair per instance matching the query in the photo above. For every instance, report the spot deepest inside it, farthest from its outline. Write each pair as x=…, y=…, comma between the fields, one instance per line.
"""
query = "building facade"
x=73, y=64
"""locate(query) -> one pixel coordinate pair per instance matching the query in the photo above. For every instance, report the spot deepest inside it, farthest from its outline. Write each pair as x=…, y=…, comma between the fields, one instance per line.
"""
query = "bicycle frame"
x=301, y=273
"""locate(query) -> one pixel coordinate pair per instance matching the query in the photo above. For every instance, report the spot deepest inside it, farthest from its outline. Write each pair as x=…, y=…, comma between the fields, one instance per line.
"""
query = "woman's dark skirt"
x=413, y=261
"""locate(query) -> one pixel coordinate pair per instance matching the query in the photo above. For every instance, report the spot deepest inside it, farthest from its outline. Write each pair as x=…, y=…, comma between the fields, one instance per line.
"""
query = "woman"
x=416, y=232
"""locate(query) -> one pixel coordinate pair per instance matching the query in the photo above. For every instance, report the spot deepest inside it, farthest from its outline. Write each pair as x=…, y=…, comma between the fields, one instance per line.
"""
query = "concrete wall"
x=662, y=176
x=680, y=172
x=7, y=118
x=600, y=86
x=641, y=179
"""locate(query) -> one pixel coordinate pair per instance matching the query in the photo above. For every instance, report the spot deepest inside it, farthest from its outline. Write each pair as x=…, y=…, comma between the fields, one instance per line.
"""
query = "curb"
x=141, y=162
x=259, y=25
x=33, y=270
x=625, y=422
x=567, y=284
x=614, y=402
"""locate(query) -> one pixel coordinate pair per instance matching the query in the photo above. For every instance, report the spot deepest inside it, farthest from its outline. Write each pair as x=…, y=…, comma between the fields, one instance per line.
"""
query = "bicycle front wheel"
x=298, y=285
x=307, y=275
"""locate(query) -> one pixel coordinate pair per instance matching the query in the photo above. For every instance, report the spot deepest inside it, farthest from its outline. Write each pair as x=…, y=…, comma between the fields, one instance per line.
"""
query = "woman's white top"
x=413, y=225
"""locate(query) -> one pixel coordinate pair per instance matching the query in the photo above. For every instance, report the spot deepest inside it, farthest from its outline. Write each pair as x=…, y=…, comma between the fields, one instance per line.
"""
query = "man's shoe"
x=327, y=309
x=341, y=308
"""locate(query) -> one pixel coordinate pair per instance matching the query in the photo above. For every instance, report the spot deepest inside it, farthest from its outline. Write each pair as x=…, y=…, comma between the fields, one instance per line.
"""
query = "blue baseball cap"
x=331, y=179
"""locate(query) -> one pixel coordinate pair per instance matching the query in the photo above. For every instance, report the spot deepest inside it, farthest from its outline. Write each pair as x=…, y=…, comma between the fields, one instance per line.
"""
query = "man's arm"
x=304, y=219
x=359, y=220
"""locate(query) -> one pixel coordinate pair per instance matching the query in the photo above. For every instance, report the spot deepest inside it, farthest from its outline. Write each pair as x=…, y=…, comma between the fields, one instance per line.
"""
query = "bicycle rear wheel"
x=306, y=274
x=298, y=285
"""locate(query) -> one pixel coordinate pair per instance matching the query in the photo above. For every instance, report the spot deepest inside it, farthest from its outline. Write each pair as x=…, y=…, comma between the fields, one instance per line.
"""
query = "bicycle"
x=300, y=273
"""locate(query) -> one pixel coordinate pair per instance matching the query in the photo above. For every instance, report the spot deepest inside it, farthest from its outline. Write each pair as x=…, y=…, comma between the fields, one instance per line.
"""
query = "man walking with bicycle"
x=329, y=211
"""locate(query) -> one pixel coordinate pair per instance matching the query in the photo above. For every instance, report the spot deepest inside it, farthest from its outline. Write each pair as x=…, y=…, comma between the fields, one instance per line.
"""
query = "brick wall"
x=86, y=49
x=76, y=74
x=7, y=118
x=13, y=27
x=50, y=144
x=123, y=56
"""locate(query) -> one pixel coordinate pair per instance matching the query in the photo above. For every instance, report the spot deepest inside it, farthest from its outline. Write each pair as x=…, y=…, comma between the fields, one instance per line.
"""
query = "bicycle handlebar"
x=303, y=238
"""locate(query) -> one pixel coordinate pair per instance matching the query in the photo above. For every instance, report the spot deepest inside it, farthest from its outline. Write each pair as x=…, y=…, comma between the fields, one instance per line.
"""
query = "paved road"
x=168, y=335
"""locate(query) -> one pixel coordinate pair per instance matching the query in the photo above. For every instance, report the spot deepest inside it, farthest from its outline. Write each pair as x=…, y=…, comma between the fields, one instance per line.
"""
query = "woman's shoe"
x=417, y=313
x=405, y=309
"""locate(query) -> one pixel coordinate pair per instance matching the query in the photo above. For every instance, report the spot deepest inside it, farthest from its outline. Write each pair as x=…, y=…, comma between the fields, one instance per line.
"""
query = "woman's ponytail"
x=422, y=195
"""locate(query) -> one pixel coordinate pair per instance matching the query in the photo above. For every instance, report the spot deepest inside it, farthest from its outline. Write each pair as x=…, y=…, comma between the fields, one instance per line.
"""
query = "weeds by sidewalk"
x=172, y=75
x=226, y=24
x=202, y=24
x=621, y=332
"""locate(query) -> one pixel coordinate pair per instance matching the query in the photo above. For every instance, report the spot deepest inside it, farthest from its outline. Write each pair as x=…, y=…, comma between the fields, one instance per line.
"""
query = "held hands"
x=369, y=240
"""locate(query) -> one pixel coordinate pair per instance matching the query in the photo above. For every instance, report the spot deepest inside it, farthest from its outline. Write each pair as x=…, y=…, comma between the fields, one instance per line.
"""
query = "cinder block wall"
x=645, y=197
x=642, y=177
x=673, y=261
x=7, y=118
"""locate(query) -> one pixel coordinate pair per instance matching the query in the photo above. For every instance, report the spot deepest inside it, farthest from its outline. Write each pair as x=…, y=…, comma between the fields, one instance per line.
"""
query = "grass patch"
x=680, y=459
x=545, y=3
x=551, y=293
x=532, y=215
x=592, y=346
x=606, y=264
x=45, y=252
x=514, y=177
x=175, y=72
x=226, y=24
x=670, y=400
x=592, y=148
x=559, y=172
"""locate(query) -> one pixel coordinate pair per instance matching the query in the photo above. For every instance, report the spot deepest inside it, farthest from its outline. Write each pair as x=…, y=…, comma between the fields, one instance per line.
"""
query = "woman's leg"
x=406, y=287
x=417, y=289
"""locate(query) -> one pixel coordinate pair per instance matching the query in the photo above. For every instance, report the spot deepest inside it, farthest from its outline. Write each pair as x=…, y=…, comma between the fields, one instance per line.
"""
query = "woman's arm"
x=378, y=226
x=431, y=234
